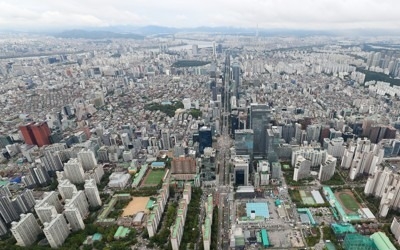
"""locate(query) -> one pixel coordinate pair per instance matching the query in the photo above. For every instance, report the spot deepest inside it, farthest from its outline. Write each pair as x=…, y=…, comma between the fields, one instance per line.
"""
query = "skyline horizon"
x=304, y=15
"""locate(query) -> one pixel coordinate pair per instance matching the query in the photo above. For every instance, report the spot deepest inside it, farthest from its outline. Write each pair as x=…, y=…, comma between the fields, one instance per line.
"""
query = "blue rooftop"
x=158, y=164
x=260, y=209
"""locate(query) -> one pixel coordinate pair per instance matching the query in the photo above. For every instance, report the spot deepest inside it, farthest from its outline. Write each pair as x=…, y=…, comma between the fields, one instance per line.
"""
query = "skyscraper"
x=165, y=138
x=205, y=138
x=244, y=140
x=26, y=230
x=259, y=120
x=236, y=78
x=92, y=193
x=56, y=231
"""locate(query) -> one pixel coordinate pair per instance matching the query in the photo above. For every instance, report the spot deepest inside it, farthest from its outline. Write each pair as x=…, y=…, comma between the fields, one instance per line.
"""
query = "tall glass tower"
x=260, y=116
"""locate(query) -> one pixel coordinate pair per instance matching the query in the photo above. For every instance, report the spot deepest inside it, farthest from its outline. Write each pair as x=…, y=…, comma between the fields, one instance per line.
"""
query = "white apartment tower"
x=327, y=169
x=50, y=198
x=395, y=229
x=74, y=171
x=66, y=189
x=87, y=159
x=79, y=201
x=26, y=230
x=92, y=193
x=45, y=212
x=301, y=168
x=56, y=231
x=74, y=218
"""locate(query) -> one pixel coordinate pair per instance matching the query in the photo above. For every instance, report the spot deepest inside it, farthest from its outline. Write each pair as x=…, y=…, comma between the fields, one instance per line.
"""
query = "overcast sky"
x=293, y=14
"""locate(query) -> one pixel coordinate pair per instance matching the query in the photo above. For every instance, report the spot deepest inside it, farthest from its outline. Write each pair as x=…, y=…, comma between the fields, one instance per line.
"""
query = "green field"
x=154, y=177
x=349, y=202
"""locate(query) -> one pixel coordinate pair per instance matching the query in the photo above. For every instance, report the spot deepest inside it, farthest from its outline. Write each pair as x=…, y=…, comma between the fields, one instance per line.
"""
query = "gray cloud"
x=296, y=14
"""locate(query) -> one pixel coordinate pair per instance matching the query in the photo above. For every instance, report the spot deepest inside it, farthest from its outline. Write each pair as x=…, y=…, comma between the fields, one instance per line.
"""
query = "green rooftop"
x=121, y=232
x=382, y=242
x=176, y=226
x=150, y=204
x=207, y=229
x=343, y=228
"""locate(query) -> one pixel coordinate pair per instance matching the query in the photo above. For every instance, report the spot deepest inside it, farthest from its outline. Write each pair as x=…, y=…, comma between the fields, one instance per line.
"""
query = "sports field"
x=348, y=201
x=137, y=204
x=307, y=197
x=154, y=177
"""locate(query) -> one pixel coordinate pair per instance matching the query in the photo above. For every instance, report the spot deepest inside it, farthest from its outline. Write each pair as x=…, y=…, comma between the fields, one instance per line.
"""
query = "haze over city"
x=42, y=15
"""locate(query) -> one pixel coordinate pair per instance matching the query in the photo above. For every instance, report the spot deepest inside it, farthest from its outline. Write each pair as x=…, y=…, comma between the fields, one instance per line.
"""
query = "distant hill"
x=96, y=34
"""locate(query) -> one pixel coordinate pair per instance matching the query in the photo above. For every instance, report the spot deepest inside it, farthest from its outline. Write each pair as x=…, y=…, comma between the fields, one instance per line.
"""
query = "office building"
x=56, y=231
x=260, y=116
x=74, y=171
x=264, y=172
x=92, y=193
x=244, y=139
x=276, y=170
x=79, y=201
x=74, y=218
x=7, y=210
x=87, y=158
x=241, y=171
x=36, y=133
x=45, y=212
x=66, y=189
x=205, y=138
x=26, y=230
x=165, y=139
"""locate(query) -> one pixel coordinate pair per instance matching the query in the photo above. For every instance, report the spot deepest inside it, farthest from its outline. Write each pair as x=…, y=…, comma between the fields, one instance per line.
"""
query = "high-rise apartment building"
x=26, y=230
x=92, y=193
x=7, y=210
x=79, y=201
x=50, y=198
x=74, y=218
x=45, y=212
x=87, y=158
x=327, y=169
x=3, y=228
x=56, y=231
x=66, y=189
x=74, y=171
x=301, y=168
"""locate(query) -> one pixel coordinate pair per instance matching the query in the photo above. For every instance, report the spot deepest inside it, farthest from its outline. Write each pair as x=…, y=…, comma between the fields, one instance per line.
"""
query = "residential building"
x=56, y=231
x=26, y=230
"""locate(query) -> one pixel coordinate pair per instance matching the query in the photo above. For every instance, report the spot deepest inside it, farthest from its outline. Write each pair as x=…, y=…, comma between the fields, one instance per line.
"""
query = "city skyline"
x=307, y=15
